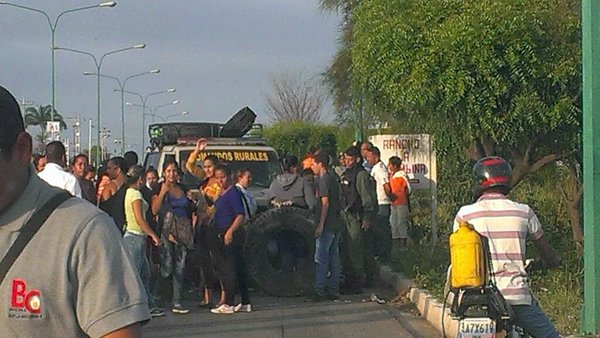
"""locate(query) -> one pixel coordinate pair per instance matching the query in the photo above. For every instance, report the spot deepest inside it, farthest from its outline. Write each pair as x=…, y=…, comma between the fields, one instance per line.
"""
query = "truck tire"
x=273, y=235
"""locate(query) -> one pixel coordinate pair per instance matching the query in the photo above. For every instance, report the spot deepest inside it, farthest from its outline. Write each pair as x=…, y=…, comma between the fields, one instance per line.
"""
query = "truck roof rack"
x=237, y=126
x=190, y=141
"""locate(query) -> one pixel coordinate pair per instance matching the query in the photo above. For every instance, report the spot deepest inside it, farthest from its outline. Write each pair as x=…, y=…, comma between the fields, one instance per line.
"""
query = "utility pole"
x=590, y=27
x=77, y=135
x=90, y=143
x=359, y=121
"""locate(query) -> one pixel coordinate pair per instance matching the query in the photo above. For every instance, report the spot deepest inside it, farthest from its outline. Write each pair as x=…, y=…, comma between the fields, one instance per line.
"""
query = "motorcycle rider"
x=507, y=224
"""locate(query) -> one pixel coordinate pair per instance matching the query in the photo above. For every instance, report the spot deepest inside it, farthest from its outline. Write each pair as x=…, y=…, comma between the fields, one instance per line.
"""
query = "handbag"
x=179, y=230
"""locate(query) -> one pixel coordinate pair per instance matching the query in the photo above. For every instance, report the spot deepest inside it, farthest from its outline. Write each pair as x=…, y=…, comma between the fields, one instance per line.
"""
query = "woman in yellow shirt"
x=211, y=190
x=136, y=230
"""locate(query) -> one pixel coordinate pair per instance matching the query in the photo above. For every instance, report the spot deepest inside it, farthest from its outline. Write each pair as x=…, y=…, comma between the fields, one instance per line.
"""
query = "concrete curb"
x=429, y=307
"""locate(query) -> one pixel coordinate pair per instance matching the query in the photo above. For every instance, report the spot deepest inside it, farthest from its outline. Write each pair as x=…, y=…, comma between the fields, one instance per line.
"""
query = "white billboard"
x=416, y=152
x=419, y=163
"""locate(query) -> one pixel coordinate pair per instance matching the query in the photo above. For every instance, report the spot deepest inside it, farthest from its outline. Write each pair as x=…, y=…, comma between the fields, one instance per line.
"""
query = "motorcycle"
x=484, y=313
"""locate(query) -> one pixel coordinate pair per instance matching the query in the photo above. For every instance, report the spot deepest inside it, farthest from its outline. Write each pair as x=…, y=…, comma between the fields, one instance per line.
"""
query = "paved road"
x=351, y=316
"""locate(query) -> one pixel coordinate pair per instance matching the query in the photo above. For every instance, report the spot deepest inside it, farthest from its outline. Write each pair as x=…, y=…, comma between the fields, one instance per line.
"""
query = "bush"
x=300, y=138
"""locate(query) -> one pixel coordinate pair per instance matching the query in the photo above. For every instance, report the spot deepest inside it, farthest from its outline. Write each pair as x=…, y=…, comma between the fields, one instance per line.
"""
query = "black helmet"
x=491, y=172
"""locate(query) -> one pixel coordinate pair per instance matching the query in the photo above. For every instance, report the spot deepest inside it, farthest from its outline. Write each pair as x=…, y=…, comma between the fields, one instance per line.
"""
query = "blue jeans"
x=534, y=321
x=327, y=259
x=172, y=263
x=135, y=245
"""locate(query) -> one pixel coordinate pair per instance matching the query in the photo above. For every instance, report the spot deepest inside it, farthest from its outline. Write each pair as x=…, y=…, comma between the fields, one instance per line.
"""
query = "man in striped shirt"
x=507, y=225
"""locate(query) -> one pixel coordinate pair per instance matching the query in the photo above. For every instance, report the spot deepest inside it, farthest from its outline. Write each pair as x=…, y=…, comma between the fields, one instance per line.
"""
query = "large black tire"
x=293, y=222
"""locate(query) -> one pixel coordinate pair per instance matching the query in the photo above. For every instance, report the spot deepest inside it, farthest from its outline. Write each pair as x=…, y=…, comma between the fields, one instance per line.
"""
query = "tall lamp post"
x=161, y=106
x=108, y=4
x=153, y=110
x=144, y=100
x=590, y=27
x=122, y=90
x=98, y=66
x=166, y=118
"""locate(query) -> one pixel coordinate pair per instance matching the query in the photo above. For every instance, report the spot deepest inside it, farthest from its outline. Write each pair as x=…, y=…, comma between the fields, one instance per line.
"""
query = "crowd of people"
x=352, y=214
x=361, y=213
x=352, y=218
x=140, y=204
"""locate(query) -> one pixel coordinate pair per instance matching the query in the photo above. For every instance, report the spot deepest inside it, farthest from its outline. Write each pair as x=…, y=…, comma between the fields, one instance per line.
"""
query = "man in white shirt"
x=244, y=178
x=54, y=172
x=382, y=235
x=507, y=224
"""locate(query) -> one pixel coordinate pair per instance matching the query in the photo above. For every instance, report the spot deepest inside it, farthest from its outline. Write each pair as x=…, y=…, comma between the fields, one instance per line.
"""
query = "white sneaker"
x=223, y=309
x=243, y=308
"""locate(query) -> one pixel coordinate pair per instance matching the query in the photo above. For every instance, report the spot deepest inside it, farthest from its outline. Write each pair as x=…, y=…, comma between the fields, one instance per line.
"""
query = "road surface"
x=350, y=316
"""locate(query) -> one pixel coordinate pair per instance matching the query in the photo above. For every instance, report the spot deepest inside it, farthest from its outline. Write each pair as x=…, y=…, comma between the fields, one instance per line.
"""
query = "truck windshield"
x=263, y=165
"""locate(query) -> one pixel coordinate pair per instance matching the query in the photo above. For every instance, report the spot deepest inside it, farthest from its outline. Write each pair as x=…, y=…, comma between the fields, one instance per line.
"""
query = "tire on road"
x=263, y=235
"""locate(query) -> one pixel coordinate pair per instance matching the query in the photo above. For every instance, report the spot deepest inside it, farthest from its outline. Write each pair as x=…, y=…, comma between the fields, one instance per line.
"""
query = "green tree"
x=487, y=77
x=41, y=116
x=505, y=75
x=338, y=76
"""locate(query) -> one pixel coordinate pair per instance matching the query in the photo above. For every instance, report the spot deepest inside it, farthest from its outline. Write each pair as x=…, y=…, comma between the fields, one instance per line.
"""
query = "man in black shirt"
x=328, y=231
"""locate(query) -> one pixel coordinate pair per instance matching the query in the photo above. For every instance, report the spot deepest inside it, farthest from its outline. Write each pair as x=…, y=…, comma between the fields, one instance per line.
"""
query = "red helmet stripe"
x=493, y=161
x=494, y=180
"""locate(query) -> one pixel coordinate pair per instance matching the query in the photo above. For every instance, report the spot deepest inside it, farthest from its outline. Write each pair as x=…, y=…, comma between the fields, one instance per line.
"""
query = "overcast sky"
x=220, y=55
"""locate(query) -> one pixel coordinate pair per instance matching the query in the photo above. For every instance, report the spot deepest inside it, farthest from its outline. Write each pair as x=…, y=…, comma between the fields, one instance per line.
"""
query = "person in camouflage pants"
x=359, y=207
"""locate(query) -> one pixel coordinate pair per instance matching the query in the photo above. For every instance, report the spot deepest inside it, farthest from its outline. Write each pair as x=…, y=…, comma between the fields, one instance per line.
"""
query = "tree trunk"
x=488, y=145
x=575, y=221
x=574, y=203
x=475, y=151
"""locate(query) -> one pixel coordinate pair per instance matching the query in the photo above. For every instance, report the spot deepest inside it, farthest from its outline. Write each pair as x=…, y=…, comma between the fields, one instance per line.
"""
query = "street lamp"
x=108, y=4
x=144, y=100
x=162, y=105
x=122, y=90
x=98, y=66
x=153, y=110
x=104, y=133
x=166, y=118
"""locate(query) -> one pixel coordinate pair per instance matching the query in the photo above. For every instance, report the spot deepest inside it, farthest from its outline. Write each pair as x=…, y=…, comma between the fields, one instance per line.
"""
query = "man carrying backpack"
x=64, y=271
x=506, y=224
x=359, y=206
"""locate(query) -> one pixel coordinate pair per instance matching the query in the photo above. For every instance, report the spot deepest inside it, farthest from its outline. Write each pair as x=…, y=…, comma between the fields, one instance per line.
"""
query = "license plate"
x=477, y=328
